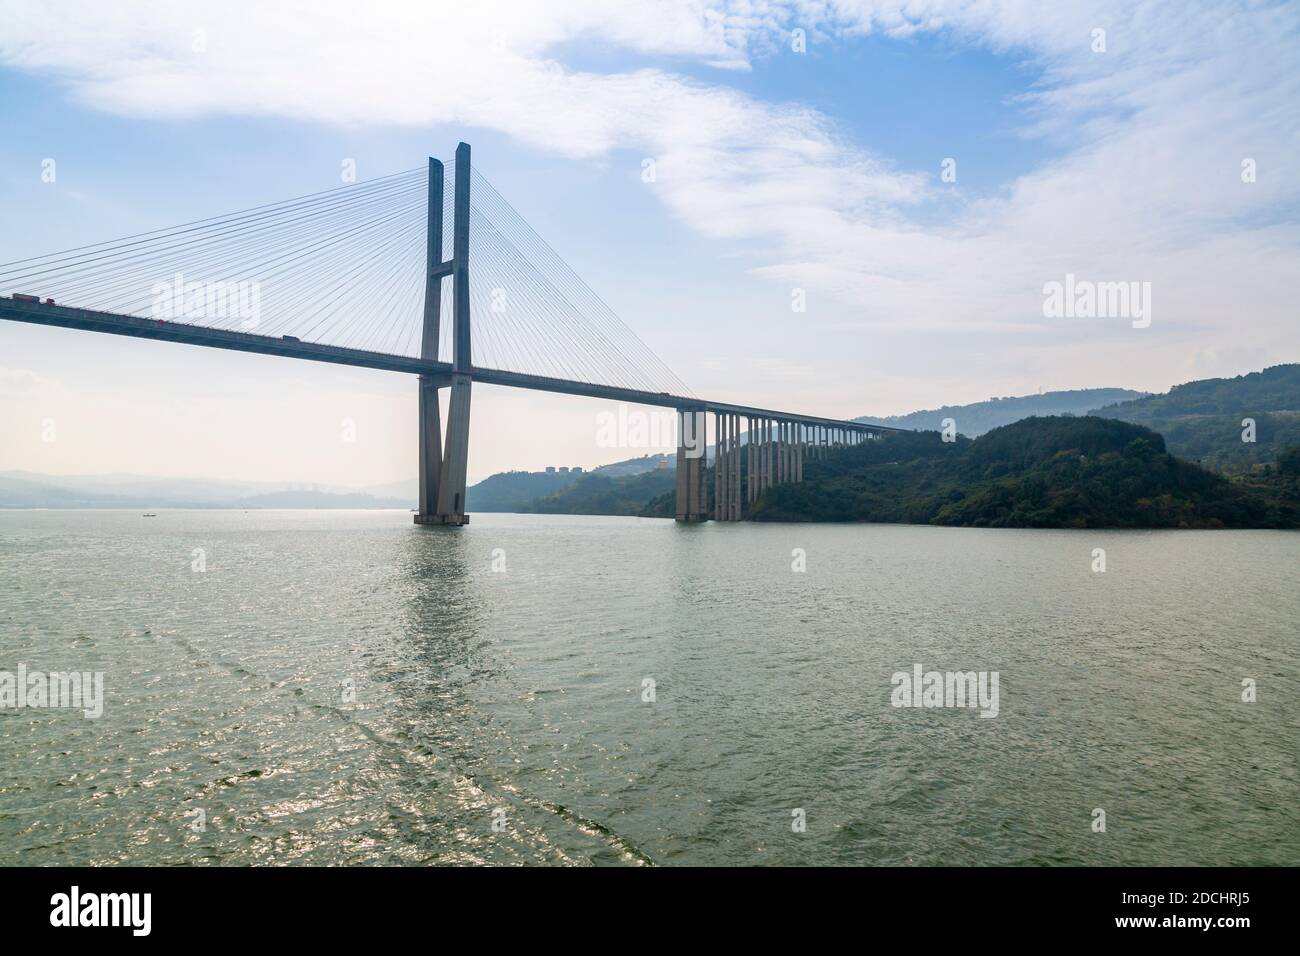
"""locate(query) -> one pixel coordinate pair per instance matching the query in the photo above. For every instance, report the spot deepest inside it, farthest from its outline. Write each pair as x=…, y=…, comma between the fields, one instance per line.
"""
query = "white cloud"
x=1152, y=133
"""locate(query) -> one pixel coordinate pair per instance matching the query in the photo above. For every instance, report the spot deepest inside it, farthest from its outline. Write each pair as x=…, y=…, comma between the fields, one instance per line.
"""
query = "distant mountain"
x=508, y=491
x=28, y=492
x=976, y=419
x=1202, y=420
x=320, y=499
x=25, y=489
x=165, y=492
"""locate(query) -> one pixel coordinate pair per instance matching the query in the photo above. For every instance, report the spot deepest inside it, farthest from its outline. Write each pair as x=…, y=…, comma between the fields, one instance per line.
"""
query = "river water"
x=345, y=687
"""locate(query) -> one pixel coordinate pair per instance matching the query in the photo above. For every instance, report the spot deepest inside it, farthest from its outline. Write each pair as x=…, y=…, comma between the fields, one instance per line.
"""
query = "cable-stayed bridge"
x=430, y=272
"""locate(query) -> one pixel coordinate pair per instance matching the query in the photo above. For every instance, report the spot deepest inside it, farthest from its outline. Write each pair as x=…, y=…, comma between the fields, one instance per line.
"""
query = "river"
x=347, y=688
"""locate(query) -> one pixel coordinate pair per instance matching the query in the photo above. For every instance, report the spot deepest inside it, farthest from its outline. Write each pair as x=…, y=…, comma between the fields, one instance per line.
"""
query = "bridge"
x=363, y=265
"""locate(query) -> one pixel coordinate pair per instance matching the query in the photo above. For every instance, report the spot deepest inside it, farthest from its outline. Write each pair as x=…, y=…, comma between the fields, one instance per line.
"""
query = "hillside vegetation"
x=1059, y=472
x=1202, y=421
x=598, y=494
x=515, y=490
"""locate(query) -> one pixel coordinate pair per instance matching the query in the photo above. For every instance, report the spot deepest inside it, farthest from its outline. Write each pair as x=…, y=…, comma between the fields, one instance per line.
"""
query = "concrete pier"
x=722, y=507
x=692, y=465
x=751, y=488
x=736, y=510
x=727, y=500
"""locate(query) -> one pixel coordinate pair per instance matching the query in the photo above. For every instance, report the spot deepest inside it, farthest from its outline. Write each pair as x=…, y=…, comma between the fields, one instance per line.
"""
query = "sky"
x=915, y=174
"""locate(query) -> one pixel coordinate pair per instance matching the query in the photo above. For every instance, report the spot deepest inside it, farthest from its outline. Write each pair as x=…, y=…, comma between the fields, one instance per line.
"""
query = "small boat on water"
x=148, y=514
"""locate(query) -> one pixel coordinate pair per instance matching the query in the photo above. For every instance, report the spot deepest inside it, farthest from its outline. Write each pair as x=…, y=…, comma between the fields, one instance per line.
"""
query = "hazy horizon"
x=613, y=455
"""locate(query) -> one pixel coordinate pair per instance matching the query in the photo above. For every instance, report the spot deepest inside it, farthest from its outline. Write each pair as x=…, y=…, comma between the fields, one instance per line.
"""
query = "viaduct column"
x=733, y=465
x=776, y=453
x=749, y=460
x=719, y=466
x=692, y=490
x=783, y=462
x=767, y=454
x=736, y=501
x=778, y=450
x=725, y=465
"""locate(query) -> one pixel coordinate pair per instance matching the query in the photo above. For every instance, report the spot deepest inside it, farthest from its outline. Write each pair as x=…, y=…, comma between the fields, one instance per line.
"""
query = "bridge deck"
x=113, y=323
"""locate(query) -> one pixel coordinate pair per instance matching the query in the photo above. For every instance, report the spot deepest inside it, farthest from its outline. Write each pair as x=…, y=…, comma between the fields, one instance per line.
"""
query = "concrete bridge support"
x=774, y=453
x=721, y=479
x=771, y=453
x=430, y=463
x=779, y=476
x=733, y=498
x=774, y=473
x=451, y=489
x=751, y=487
x=780, y=453
x=692, y=466
x=430, y=446
x=442, y=469
x=733, y=468
x=765, y=468
x=727, y=468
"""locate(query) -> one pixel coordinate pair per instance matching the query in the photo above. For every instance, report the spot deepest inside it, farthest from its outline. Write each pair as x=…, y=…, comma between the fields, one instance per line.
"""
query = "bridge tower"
x=442, y=469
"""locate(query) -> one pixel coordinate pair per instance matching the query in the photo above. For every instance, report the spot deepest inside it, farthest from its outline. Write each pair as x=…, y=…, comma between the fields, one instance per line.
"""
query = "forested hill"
x=975, y=419
x=600, y=494
x=1059, y=472
x=521, y=491
x=1202, y=420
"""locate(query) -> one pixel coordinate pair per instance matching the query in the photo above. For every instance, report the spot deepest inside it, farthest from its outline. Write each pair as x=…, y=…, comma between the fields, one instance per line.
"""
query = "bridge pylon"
x=443, y=467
